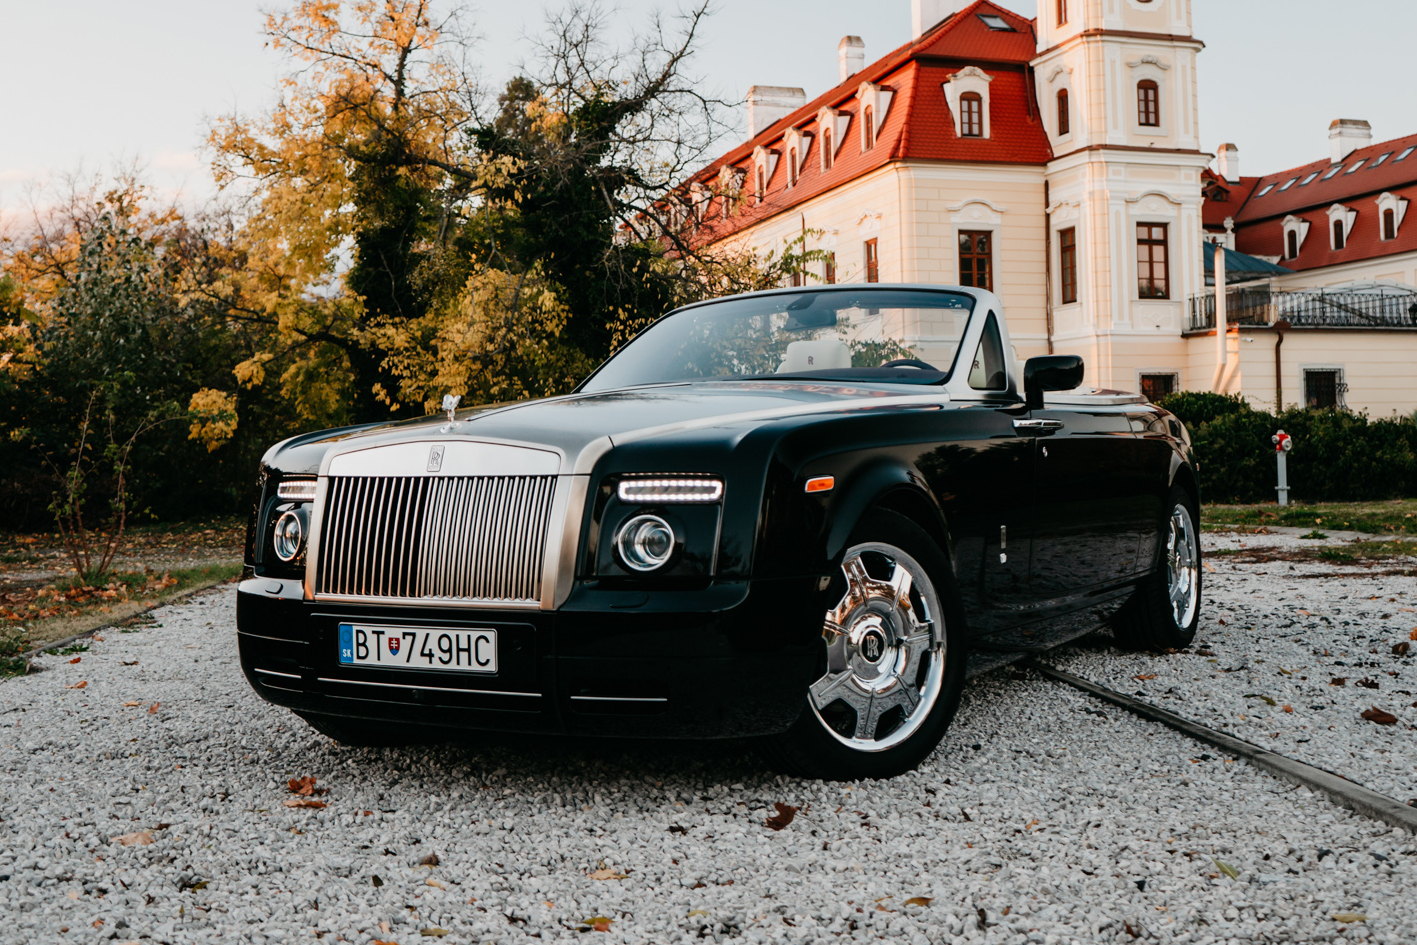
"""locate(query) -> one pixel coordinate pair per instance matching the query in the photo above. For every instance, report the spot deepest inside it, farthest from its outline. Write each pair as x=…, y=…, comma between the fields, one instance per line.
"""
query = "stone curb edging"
x=1346, y=793
x=56, y=644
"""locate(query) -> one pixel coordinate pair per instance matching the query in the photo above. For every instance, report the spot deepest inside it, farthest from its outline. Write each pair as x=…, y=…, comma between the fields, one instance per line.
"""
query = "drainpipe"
x=1222, y=328
x=1047, y=268
x=1279, y=328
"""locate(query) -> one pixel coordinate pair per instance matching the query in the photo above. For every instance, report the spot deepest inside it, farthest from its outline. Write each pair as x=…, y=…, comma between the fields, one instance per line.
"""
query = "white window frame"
x=839, y=123
x=1296, y=225
x=767, y=161
x=1153, y=68
x=1159, y=372
x=969, y=79
x=1398, y=205
x=802, y=141
x=1339, y=212
x=878, y=98
x=1342, y=383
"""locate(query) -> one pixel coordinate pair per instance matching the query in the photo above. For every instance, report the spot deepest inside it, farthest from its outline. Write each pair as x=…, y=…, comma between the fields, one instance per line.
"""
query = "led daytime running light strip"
x=671, y=490
x=297, y=490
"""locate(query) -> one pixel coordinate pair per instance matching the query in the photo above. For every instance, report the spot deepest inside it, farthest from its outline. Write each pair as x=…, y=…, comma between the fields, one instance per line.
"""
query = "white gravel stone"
x=1044, y=817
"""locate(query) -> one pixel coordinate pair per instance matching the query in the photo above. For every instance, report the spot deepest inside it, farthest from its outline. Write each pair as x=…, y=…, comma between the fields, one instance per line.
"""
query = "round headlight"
x=290, y=536
x=645, y=542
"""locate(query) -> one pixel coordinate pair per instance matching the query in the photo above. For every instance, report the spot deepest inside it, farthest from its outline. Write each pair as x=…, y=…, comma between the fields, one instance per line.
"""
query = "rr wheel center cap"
x=870, y=647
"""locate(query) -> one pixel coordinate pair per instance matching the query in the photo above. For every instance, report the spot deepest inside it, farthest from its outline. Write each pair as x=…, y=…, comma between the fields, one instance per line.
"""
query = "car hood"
x=578, y=426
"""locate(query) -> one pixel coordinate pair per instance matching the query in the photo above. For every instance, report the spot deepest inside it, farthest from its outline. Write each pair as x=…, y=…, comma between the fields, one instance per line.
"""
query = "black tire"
x=364, y=733
x=820, y=743
x=1151, y=620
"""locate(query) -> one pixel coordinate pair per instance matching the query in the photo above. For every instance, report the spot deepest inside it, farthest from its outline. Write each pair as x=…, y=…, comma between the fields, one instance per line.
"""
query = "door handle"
x=1037, y=426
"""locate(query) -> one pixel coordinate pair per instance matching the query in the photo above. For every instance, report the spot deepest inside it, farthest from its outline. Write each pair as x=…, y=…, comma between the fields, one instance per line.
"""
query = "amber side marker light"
x=821, y=484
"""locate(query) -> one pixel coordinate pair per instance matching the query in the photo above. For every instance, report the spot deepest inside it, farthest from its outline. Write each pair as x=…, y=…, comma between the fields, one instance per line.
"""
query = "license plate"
x=422, y=648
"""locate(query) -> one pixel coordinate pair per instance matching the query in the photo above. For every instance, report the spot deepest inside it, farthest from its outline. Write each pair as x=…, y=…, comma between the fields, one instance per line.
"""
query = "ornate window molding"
x=1339, y=214
x=798, y=145
x=1398, y=206
x=1299, y=227
x=831, y=128
x=969, y=79
x=764, y=163
x=876, y=99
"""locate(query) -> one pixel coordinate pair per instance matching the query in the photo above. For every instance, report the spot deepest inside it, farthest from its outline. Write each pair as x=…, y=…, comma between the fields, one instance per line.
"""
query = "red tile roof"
x=1340, y=188
x=1233, y=195
x=917, y=125
x=1364, y=241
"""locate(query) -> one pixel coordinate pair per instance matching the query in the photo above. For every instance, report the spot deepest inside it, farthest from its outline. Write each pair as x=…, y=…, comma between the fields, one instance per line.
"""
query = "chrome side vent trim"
x=468, y=539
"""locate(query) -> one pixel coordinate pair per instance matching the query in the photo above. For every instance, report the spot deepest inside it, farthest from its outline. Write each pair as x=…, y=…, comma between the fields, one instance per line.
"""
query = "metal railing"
x=1379, y=307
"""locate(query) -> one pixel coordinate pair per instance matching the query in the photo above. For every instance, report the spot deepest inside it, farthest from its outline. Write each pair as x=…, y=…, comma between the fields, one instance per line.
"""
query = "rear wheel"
x=893, y=662
x=1164, y=613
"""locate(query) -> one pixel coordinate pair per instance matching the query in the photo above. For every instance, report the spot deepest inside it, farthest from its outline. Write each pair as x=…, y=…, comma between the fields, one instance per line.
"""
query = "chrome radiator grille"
x=455, y=537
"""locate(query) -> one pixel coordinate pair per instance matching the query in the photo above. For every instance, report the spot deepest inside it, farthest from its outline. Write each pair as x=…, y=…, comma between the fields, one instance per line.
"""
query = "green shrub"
x=1195, y=407
x=1338, y=456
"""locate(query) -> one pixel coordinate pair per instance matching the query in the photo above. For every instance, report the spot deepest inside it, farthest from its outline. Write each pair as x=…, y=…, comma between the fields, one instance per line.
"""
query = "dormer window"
x=798, y=146
x=996, y=23
x=1391, y=210
x=1291, y=245
x=1295, y=229
x=875, y=103
x=792, y=167
x=831, y=125
x=1064, y=114
x=971, y=115
x=1062, y=15
x=1148, y=104
x=828, y=146
x=868, y=128
x=762, y=189
x=764, y=163
x=1340, y=223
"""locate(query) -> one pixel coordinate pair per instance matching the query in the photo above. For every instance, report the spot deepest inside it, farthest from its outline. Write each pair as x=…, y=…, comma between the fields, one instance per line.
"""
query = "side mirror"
x=1053, y=372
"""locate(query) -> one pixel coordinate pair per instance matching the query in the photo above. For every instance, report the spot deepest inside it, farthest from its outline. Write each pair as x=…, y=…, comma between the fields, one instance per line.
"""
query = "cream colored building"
x=1056, y=161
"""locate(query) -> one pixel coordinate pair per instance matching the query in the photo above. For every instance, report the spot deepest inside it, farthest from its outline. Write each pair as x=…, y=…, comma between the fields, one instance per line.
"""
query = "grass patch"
x=41, y=613
x=1394, y=517
x=1350, y=552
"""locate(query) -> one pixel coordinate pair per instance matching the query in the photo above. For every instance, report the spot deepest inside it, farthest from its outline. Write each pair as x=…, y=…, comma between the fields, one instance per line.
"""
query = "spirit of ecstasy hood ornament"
x=450, y=406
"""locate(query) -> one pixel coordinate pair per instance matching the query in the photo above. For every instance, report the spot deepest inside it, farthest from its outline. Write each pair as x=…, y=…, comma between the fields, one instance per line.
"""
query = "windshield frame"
x=941, y=377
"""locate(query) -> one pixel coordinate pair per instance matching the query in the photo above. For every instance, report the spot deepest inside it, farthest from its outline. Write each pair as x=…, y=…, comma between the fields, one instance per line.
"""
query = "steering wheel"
x=909, y=363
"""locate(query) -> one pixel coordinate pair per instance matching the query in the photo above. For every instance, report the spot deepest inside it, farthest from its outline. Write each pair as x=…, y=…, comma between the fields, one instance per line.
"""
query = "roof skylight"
x=1403, y=155
x=1309, y=178
x=1267, y=189
x=1356, y=166
x=996, y=23
x=1333, y=170
x=1289, y=184
x=1384, y=157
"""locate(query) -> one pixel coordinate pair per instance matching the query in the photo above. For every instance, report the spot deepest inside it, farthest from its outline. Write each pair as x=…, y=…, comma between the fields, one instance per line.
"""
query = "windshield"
x=893, y=335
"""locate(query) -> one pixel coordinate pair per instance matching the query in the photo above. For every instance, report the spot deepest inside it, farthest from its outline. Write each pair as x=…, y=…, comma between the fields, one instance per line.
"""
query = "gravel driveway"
x=1045, y=817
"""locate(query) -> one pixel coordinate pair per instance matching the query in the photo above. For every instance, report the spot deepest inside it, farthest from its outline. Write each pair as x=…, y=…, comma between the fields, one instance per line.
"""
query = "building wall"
x=1377, y=366
x=1397, y=268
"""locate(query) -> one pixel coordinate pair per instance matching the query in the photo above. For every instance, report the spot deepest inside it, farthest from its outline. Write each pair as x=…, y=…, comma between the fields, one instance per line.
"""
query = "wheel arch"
x=893, y=488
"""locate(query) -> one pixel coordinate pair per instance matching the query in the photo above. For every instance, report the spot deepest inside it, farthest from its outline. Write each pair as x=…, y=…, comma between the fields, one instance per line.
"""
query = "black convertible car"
x=805, y=514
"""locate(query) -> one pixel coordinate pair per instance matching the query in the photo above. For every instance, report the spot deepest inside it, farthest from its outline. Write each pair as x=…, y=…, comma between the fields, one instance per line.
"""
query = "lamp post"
x=1283, y=443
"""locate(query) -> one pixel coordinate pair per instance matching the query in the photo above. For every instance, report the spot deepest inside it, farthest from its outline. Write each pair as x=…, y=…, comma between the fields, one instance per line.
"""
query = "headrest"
x=823, y=355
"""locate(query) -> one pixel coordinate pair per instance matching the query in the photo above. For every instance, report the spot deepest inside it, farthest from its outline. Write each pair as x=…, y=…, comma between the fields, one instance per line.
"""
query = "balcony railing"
x=1378, y=307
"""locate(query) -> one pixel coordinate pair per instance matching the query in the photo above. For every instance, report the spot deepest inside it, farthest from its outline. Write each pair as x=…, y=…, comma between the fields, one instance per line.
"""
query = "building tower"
x=1116, y=86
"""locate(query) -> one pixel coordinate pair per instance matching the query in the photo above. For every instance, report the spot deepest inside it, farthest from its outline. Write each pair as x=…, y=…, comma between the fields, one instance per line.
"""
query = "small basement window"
x=1156, y=386
x=996, y=23
x=1323, y=388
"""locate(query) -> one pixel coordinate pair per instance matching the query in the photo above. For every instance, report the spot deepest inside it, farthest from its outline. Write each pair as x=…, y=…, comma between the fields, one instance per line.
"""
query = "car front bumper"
x=730, y=660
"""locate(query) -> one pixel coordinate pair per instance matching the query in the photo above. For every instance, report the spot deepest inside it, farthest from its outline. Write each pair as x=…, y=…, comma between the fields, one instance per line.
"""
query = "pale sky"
x=92, y=83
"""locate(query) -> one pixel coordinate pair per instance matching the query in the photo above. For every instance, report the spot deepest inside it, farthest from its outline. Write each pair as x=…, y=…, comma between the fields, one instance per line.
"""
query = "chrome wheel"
x=885, y=644
x=1182, y=567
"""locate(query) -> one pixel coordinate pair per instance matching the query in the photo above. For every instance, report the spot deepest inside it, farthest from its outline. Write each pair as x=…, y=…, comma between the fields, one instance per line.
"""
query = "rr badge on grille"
x=435, y=459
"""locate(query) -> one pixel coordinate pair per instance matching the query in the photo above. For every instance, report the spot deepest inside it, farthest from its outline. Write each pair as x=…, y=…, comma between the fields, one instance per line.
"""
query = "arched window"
x=1291, y=249
x=868, y=115
x=971, y=115
x=1148, y=104
x=1064, y=118
x=762, y=183
x=1062, y=12
x=792, y=166
x=1338, y=234
x=1389, y=224
x=828, y=152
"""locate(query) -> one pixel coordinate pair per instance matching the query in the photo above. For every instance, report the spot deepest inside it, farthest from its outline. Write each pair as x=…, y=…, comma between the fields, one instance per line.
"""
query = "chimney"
x=769, y=103
x=850, y=56
x=1346, y=135
x=926, y=13
x=1227, y=163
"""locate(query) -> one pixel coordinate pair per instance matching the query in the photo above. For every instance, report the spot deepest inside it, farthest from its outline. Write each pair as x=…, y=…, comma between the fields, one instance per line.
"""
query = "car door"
x=1087, y=496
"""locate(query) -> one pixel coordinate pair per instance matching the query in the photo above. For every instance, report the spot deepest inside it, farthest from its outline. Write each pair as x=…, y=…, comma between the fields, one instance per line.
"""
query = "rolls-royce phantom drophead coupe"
x=802, y=515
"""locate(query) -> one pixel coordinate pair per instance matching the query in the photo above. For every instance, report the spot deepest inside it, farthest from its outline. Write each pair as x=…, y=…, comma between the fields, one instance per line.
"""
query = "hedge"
x=1338, y=456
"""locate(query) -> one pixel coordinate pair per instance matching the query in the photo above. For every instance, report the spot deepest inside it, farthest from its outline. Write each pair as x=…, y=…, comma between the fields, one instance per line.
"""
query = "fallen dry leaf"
x=72, y=894
x=139, y=838
x=435, y=884
x=97, y=639
x=1400, y=649
x=384, y=927
x=305, y=802
x=694, y=912
x=429, y=860
x=380, y=941
x=1379, y=717
x=599, y=923
x=153, y=708
x=1208, y=566
x=1226, y=868
x=131, y=704
x=1305, y=613
x=1144, y=676
x=1413, y=634
x=1367, y=683
x=81, y=684
x=304, y=787
x=606, y=872
x=1288, y=708
x=75, y=660
x=921, y=901
x=433, y=932
x=1349, y=917
x=783, y=817
x=1338, y=681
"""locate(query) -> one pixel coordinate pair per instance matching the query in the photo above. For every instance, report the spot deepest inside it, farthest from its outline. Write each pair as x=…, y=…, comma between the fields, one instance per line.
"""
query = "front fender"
x=882, y=483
